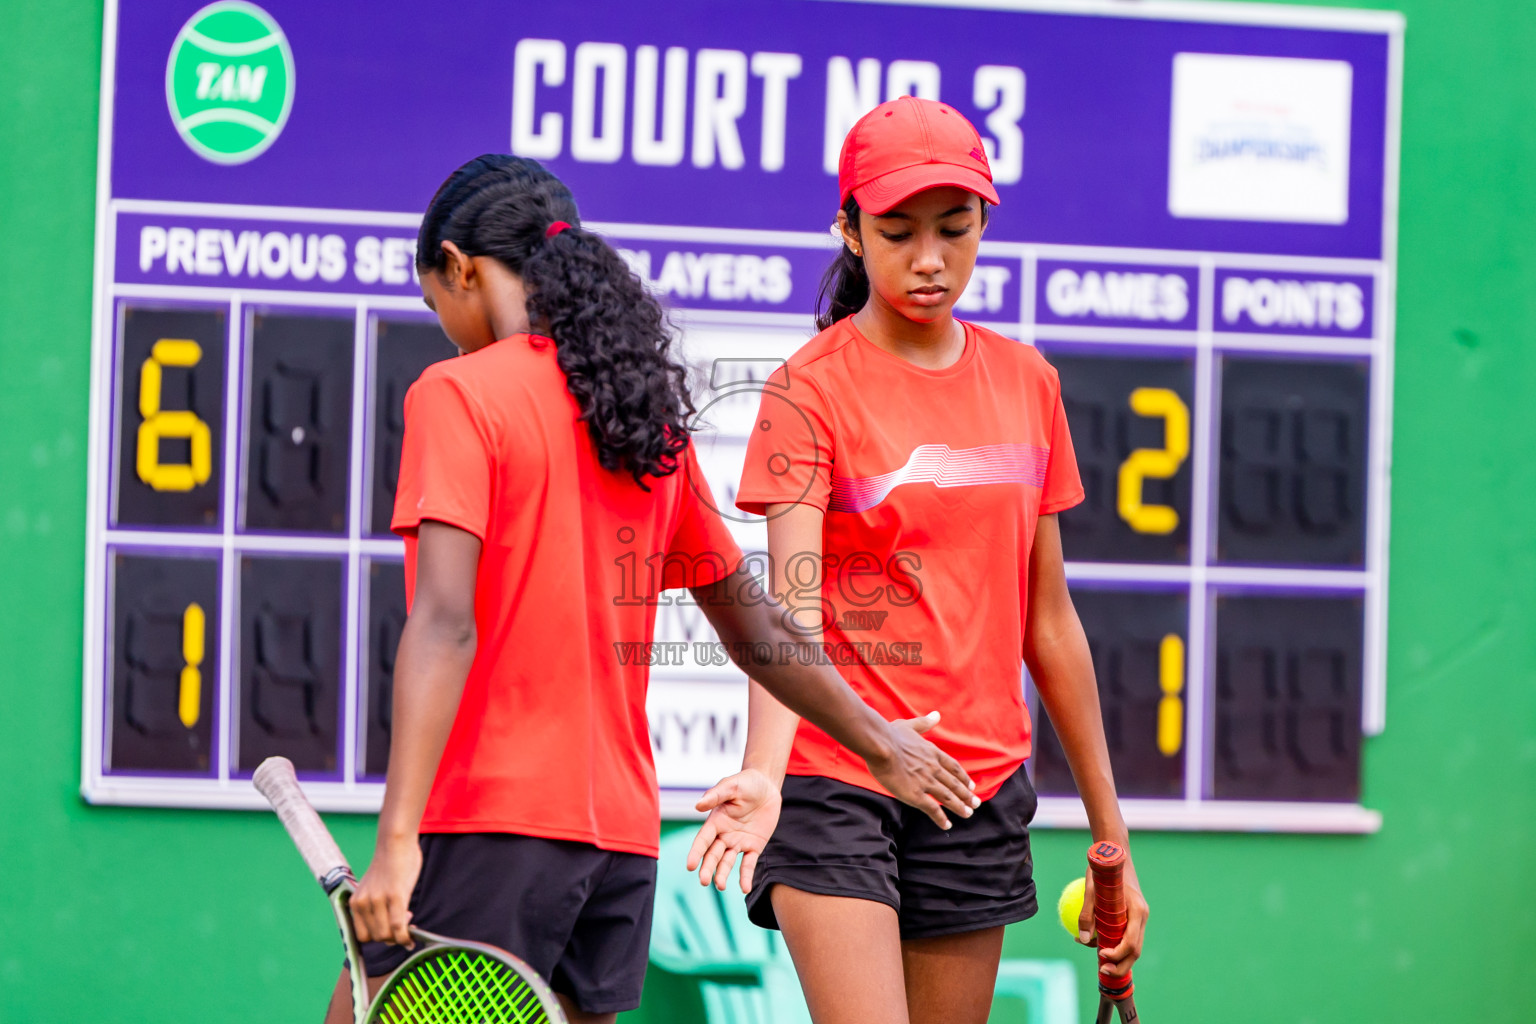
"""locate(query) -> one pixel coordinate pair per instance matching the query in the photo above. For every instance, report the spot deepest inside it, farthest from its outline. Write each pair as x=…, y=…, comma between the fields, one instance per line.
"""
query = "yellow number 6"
x=176, y=424
x=1154, y=463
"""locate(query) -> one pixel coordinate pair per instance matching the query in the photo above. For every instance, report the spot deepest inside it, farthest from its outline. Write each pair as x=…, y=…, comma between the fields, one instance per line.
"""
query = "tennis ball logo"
x=229, y=82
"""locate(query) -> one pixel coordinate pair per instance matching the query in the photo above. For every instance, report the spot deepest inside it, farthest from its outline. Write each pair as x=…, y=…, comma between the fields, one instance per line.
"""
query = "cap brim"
x=888, y=191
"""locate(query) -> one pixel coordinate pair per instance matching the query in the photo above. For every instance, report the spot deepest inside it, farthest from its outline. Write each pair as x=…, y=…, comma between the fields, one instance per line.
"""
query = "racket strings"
x=459, y=986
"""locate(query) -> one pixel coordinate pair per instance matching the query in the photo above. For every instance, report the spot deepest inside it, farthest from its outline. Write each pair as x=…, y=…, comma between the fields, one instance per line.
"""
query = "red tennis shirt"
x=551, y=737
x=932, y=482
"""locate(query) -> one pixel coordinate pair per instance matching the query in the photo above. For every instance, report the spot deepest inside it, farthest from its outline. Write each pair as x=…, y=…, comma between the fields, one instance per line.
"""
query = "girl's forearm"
x=1056, y=651
x=794, y=539
x=770, y=733
x=813, y=691
x=431, y=667
x=437, y=647
x=1062, y=668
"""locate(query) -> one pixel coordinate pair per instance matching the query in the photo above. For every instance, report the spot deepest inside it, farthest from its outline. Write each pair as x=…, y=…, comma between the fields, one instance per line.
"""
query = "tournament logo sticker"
x=229, y=82
x=1260, y=138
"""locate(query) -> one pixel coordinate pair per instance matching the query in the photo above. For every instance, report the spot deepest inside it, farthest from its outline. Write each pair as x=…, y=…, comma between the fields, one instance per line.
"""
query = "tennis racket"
x=1107, y=862
x=445, y=981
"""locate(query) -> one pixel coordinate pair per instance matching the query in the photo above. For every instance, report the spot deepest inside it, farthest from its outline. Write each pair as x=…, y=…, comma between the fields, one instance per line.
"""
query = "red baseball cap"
x=907, y=145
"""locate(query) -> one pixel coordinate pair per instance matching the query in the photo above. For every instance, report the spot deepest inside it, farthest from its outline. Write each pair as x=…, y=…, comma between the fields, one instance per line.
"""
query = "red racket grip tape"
x=1107, y=862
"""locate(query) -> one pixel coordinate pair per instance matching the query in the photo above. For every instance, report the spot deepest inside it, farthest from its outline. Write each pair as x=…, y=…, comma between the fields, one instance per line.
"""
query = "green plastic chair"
x=745, y=974
x=1048, y=989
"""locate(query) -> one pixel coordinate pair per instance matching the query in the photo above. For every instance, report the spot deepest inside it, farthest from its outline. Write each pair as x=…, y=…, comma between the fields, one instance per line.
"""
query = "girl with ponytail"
x=548, y=493
x=914, y=493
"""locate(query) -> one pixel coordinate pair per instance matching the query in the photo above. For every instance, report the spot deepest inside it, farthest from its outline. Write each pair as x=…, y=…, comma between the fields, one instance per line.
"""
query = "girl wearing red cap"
x=911, y=467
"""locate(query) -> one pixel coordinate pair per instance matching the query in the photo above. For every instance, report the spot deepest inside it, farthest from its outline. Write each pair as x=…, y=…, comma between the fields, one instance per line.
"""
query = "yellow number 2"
x=175, y=424
x=1170, y=709
x=1154, y=463
x=194, y=629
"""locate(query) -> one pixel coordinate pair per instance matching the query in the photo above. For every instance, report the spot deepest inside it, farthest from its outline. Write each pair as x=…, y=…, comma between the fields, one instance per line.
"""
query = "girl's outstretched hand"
x=743, y=811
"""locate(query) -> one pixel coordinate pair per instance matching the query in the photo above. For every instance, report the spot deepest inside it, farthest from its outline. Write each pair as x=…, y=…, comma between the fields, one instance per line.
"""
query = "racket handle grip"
x=275, y=780
x=1107, y=862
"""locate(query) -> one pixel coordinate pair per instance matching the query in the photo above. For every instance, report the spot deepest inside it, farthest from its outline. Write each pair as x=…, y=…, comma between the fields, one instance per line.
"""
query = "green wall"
x=119, y=914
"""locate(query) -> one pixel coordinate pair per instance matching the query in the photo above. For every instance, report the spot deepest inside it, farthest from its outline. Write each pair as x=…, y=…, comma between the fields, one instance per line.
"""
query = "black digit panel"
x=1139, y=657
x=165, y=658
x=1293, y=457
x=1134, y=462
x=1287, y=711
x=405, y=348
x=170, y=417
x=386, y=618
x=290, y=671
x=299, y=423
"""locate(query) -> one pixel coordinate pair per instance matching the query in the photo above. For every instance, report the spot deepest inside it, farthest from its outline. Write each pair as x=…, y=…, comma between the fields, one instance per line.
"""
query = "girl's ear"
x=850, y=233
x=458, y=269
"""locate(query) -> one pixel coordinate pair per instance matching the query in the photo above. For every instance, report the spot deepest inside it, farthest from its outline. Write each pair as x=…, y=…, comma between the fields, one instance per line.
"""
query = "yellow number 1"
x=176, y=424
x=194, y=631
x=1170, y=709
x=1154, y=463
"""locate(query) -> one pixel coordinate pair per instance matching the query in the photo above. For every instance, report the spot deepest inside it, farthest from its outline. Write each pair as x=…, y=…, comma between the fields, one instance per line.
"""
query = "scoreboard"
x=1221, y=560
x=254, y=595
x=1197, y=231
x=1228, y=559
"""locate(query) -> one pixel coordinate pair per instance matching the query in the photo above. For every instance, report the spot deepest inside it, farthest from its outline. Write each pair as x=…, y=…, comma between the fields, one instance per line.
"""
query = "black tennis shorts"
x=579, y=916
x=840, y=840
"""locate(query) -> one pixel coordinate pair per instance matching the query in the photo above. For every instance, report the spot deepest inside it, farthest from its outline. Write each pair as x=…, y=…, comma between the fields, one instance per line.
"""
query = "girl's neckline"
x=535, y=340
x=958, y=365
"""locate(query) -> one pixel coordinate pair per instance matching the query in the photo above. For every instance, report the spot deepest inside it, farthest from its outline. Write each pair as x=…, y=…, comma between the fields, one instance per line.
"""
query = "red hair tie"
x=555, y=228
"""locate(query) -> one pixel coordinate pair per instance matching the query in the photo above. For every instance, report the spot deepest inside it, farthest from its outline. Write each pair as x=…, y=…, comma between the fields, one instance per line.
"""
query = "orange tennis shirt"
x=932, y=482
x=551, y=737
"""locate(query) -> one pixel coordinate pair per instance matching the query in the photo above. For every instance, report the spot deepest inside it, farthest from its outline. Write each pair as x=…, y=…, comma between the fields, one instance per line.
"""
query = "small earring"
x=856, y=252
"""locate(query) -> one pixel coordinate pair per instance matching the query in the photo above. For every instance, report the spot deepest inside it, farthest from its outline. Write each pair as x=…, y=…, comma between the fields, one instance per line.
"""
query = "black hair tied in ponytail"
x=845, y=287
x=611, y=337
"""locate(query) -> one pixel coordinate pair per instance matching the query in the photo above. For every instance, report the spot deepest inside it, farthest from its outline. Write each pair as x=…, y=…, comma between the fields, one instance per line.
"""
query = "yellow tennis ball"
x=1070, y=906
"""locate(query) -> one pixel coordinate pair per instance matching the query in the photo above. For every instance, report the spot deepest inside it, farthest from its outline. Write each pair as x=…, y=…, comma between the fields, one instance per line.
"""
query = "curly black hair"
x=611, y=337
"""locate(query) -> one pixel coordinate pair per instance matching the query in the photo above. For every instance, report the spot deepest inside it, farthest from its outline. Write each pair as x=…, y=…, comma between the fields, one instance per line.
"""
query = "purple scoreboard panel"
x=1197, y=228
